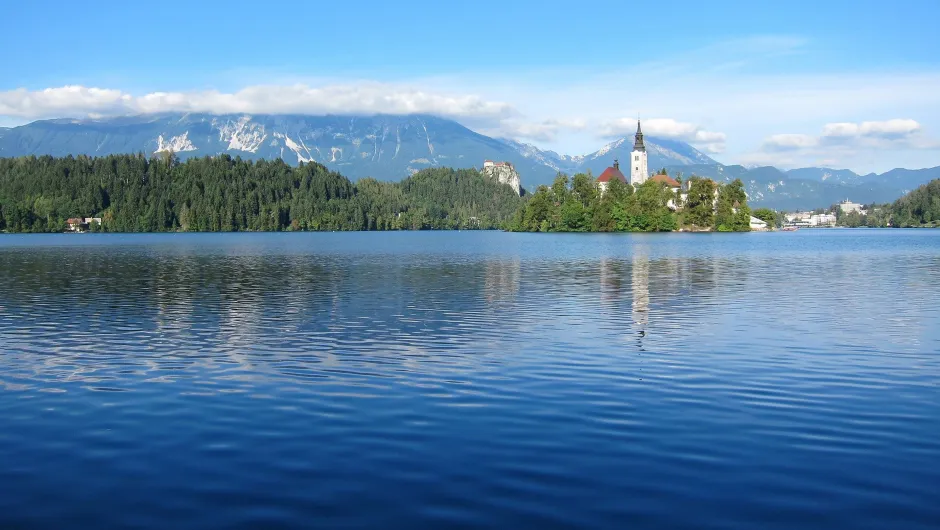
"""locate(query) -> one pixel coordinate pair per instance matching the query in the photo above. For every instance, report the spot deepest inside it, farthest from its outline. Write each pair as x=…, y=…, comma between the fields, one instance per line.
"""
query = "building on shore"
x=81, y=224
x=612, y=172
x=811, y=220
x=758, y=224
x=848, y=206
x=639, y=170
x=673, y=186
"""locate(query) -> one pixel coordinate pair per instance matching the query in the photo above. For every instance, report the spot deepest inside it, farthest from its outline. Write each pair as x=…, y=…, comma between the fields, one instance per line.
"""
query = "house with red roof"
x=610, y=173
x=667, y=180
x=674, y=186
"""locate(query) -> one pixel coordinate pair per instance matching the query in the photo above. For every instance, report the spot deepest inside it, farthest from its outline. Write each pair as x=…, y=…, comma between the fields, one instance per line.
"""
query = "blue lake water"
x=466, y=379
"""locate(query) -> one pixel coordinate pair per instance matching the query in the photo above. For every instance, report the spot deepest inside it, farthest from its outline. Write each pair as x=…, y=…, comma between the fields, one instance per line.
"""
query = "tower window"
x=637, y=158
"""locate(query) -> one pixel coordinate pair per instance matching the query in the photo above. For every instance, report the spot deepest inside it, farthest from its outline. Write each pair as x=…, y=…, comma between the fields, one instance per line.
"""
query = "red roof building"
x=612, y=173
x=667, y=180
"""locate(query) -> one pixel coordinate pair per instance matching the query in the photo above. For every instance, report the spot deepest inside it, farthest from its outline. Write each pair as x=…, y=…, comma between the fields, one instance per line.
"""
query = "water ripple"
x=470, y=380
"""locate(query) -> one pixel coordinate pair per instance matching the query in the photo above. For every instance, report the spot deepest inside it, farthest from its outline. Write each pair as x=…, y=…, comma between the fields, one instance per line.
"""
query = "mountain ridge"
x=391, y=147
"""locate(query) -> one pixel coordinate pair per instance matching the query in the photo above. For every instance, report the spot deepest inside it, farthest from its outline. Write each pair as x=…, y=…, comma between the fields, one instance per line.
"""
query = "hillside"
x=920, y=207
x=131, y=193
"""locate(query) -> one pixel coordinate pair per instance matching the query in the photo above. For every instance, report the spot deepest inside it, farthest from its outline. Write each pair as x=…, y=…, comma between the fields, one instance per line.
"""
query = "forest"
x=577, y=205
x=920, y=207
x=133, y=193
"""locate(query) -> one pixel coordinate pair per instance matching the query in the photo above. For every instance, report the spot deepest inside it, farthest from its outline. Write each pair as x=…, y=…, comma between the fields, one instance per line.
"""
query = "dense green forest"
x=920, y=207
x=576, y=205
x=132, y=193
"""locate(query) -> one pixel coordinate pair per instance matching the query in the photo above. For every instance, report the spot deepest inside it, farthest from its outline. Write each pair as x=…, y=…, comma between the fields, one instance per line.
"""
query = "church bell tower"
x=638, y=167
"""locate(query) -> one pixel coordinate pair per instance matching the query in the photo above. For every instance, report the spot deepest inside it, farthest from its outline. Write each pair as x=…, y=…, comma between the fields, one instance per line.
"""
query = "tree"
x=132, y=193
x=732, y=213
x=699, y=206
x=767, y=215
x=920, y=207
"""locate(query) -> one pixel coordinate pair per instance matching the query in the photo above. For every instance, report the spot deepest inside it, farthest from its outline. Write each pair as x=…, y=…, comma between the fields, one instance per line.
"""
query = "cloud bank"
x=840, y=140
x=710, y=141
x=360, y=98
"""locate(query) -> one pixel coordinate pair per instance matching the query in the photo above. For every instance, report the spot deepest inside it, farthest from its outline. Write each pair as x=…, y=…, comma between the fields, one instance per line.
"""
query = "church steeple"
x=639, y=171
x=638, y=143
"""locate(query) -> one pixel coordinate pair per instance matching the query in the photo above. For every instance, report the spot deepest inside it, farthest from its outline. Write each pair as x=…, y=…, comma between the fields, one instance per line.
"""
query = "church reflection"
x=501, y=281
x=640, y=283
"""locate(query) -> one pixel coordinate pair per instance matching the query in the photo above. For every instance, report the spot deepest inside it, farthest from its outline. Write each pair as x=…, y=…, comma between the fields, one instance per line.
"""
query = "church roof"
x=638, y=143
x=612, y=173
x=666, y=179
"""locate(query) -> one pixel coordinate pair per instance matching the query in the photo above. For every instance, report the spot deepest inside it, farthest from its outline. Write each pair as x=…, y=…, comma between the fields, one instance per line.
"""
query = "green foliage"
x=851, y=220
x=134, y=194
x=576, y=205
x=732, y=213
x=767, y=215
x=920, y=207
x=699, y=205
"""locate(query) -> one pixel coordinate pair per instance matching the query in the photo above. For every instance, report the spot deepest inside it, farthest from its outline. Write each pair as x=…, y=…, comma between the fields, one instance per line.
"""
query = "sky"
x=844, y=84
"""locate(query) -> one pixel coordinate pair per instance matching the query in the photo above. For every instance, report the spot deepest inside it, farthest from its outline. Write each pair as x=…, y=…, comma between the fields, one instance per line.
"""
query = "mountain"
x=906, y=180
x=391, y=147
x=822, y=174
x=385, y=147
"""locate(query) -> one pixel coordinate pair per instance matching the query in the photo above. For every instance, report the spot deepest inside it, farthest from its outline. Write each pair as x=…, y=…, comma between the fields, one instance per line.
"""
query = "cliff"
x=504, y=173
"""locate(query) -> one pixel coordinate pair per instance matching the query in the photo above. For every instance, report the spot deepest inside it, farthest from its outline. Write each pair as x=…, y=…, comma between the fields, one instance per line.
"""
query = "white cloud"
x=710, y=141
x=840, y=142
x=789, y=142
x=738, y=87
x=891, y=134
x=891, y=129
x=354, y=98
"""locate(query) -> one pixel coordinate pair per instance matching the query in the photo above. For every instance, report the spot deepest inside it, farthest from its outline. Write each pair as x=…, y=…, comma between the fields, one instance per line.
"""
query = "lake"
x=470, y=379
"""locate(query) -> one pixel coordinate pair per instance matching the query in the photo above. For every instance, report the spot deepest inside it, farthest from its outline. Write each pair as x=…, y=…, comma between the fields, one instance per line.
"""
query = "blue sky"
x=848, y=84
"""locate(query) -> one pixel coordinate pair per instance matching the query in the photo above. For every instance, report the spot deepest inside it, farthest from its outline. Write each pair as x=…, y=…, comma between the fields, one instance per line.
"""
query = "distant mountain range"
x=391, y=147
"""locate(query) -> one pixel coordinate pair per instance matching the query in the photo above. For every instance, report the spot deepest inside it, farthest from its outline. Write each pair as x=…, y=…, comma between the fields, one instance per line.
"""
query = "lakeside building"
x=848, y=206
x=639, y=165
x=674, y=187
x=612, y=172
x=81, y=224
x=758, y=224
x=639, y=170
x=811, y=220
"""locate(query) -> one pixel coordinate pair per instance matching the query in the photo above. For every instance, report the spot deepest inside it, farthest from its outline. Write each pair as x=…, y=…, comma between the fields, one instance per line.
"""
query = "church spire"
x=638, y=144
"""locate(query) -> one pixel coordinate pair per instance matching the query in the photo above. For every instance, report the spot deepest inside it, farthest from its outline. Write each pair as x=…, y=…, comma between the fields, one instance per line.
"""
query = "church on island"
x=639, y=169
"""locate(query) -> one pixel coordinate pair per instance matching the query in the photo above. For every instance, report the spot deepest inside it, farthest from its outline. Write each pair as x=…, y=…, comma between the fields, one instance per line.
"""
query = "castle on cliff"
x=504, y=173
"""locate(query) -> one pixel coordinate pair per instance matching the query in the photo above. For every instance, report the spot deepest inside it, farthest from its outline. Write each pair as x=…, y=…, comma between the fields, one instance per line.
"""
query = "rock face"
x=504, y=173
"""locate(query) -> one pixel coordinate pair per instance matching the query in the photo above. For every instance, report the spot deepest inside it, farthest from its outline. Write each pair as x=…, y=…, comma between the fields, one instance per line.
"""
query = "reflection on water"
x=470, y=379
x=641, y=289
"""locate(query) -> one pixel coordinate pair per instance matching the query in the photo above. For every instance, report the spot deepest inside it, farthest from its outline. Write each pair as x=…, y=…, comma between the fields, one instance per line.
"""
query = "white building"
x=758, y=224
x=810, y=219
x=848, y=207
x=823, y=219
x=639, y=171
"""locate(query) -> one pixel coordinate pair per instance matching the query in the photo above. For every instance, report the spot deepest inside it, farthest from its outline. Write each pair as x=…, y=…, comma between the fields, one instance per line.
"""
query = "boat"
x=790, y=229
